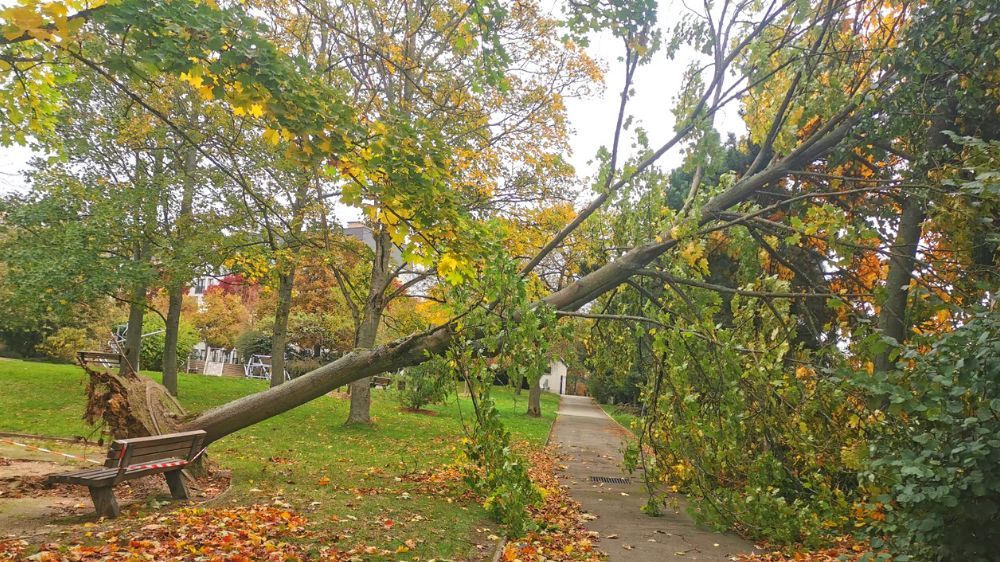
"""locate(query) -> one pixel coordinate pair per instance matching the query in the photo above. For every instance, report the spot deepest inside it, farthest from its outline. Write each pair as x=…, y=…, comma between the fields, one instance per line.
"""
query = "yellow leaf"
x=24, y=18
x=692, y=253
x=272, y=136
x=206, y=92
x=56, y=9
x=257, y=110
x=193, y=77
x=450, y=268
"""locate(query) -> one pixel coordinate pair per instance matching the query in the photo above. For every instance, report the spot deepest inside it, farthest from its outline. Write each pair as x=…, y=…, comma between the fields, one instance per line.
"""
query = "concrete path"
x=590, y=443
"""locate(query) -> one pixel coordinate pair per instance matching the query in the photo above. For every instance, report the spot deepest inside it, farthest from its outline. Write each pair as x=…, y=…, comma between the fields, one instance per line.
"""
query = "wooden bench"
x=381, y=382
x=101, y=359
x=134, y=458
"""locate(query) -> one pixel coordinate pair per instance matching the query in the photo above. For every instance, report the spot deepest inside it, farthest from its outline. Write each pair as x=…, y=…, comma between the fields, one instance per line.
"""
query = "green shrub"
x=299, y=367
x=253, y=342
x=423, y=385
x=152, y=346
x=938, y=461
x=65, y=342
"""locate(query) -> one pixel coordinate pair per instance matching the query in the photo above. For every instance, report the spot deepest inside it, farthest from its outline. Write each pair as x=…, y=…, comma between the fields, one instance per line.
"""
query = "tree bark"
x=279, y=336
x=137, y=303
x=415, y=349
x=892, y=320
x=133, y=330
x=360, y=412
x=175, y=291
x=368, y=329
x=535, y=399
x=175, y=298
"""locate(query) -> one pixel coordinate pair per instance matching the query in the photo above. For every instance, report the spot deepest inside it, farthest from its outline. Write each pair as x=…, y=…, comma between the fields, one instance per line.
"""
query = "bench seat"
x=106, y=476
x=129, y=459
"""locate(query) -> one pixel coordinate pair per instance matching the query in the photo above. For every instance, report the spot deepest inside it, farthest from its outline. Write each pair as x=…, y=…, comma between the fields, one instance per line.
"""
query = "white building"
x=555, y=379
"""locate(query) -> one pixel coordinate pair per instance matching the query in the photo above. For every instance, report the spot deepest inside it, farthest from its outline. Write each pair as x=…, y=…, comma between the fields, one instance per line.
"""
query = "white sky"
x=656, y=86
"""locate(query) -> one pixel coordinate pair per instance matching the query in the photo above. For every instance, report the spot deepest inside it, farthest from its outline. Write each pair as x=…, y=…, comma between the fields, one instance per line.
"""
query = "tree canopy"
x=773, y=303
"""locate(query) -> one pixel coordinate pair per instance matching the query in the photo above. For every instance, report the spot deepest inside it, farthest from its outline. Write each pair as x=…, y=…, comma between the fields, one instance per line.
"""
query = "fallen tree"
x=233, y=416
x=826, y=135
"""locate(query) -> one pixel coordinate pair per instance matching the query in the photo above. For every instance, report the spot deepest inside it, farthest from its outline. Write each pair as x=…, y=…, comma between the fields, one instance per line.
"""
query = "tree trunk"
x=175, y=291
x=535, y=399
x=175, y=298
x=892, y=317
x=415, y=349
x=368, y=329
x=892, y=321
x=361, y=389
x=133, y=331
x=279, y=337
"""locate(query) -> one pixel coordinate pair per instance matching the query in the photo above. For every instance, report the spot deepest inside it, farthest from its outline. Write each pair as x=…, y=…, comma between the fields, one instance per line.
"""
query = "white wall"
x=555, y=379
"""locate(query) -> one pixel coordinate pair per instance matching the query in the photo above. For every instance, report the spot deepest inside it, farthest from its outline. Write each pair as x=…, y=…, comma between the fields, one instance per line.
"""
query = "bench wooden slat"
x=81, y=474
x=183, y=446
x=180, y=453
x=171, y=448
x=144, y=450
x=162, y=439
x=84, y=476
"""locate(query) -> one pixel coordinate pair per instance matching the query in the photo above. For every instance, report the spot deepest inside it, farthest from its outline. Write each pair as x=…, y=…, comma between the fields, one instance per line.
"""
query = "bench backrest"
x=140, y=450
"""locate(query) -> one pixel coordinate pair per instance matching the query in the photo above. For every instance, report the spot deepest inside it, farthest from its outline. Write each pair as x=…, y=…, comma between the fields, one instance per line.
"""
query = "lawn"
x=627, y=416
x=358, y=480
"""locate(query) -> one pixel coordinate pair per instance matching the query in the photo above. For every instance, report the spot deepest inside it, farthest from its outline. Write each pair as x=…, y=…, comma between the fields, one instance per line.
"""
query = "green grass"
x=286, y=458
x=625, y=415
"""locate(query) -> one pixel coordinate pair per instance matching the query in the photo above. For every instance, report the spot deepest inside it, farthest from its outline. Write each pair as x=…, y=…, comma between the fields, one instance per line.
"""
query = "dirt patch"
x=31, y=506
x=418, y=411
x=23, y=478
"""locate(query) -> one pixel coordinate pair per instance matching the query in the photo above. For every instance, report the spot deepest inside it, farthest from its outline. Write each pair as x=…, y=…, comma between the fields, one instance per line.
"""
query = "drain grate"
x=609, y=479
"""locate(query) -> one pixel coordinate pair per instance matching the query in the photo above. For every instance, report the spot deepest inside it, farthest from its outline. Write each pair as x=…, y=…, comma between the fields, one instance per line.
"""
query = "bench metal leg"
x=176, y=483
x=104, y=502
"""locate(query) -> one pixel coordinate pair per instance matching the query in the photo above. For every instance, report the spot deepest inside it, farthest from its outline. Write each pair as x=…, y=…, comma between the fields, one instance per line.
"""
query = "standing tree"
x=411, y=64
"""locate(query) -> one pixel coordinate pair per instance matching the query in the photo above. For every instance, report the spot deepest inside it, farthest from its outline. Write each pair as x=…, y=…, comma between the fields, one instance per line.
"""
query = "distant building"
x=555, y=379
x=201, y=284
x=361, y=232
x=364, y=234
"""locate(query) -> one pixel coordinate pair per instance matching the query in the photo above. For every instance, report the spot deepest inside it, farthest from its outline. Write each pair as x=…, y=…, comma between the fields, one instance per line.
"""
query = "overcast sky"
x=656, y=86
x=593, y=119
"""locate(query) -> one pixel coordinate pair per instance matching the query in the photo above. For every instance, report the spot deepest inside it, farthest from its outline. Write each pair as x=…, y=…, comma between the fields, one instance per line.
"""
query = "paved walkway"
x=590, y=442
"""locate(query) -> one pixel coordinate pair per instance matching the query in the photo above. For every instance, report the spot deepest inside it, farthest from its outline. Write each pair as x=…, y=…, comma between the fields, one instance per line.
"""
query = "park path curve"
x=589, y=442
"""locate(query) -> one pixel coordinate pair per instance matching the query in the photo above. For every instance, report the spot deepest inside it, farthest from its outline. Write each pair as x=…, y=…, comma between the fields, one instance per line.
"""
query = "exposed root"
x=128, y=404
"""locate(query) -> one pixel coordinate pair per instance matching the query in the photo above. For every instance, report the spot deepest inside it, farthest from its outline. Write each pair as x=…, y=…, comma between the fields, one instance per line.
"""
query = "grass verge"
x=627, y=416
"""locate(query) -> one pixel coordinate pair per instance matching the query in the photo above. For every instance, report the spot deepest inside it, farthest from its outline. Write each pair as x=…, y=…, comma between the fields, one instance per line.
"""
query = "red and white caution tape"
x=156, y=465
x=168, y=464
x=44, y=450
